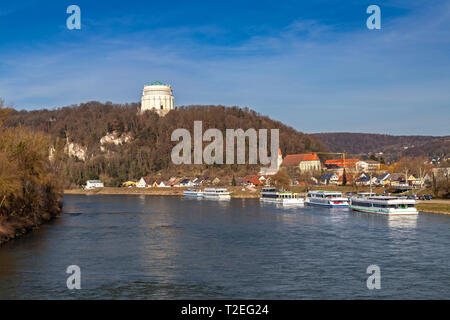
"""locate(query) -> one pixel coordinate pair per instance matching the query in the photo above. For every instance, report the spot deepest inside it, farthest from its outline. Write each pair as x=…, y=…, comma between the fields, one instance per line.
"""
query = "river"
x=160, y=247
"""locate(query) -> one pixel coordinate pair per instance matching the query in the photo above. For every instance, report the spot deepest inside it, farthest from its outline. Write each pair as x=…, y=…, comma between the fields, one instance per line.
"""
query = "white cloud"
x=312, y=76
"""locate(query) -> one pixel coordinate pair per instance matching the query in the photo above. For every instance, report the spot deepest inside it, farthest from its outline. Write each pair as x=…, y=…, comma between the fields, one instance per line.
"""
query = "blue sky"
x=311, y=64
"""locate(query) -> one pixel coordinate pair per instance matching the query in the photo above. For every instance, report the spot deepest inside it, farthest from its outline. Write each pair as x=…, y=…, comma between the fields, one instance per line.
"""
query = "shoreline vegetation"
x=30, y=193
x=433, y=206
x=429, y=206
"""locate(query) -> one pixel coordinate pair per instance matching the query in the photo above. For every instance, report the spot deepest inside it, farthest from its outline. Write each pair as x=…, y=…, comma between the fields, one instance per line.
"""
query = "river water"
x=151, y=247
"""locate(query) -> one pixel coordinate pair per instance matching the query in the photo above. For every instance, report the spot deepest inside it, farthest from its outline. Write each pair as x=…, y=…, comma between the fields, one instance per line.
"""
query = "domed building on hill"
x=157, y=96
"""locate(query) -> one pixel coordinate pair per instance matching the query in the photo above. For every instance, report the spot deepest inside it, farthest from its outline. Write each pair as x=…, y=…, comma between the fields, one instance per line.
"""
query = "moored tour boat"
x=216, y=193
x=193, y=193
x=384, y=205
x=365, y=194
x=326, y=199
x=284, y=197
x=361, y=195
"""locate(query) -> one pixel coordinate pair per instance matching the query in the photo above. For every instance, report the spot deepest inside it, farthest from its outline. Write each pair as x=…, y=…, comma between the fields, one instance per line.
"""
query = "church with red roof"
x=306, y=162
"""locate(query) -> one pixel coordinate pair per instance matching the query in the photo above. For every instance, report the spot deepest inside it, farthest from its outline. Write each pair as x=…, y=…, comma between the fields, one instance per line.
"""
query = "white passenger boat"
x=284, y=197
x=365, y=194
x=326, y=199
x=384, y=205
x=193, y=193
x=216, y=193
x=361, y=195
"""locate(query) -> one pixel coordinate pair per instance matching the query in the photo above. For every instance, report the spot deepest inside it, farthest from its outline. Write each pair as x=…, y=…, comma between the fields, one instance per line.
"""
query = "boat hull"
x=325, y=204
x=402, y=212
x=283, y=201
x=193, y=195
x=217, y=197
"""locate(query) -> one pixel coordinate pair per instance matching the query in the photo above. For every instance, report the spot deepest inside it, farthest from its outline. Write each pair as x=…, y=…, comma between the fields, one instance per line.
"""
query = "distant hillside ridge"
x=392, y=146
x=116, y=143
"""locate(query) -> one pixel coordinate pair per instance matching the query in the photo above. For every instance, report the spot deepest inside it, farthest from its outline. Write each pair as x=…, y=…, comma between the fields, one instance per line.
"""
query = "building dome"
x=157, y=96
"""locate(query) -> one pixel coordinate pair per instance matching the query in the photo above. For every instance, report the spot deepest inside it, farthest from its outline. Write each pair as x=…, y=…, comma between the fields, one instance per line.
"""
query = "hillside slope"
x=392, y=147
x=115, y=143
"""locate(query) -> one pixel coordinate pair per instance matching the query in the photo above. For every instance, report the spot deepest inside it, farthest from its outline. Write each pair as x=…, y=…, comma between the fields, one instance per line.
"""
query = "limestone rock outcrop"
x=114, y=138
x=76, y=150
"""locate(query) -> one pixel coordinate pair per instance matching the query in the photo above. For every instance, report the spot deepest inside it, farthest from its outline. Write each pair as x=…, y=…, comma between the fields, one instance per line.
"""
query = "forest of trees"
x=30, y=192
x=393, y=147
x=148, y=152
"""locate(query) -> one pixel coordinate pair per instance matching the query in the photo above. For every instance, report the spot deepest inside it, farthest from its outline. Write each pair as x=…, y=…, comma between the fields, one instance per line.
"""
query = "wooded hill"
x=393, y=147
x=149, y=147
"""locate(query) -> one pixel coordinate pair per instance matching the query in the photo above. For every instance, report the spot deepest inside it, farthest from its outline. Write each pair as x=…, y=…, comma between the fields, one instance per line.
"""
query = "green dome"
x=157, y=83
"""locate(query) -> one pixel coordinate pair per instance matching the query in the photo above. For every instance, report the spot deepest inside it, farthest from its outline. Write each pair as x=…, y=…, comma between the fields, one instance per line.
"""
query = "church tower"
x=279, y=159
x=268, y=171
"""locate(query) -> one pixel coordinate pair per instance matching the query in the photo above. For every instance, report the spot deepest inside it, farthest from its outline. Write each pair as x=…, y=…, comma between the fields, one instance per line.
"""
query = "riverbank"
x=12, y=227
x=30, y=193
x=434, y=206
x=237, y=192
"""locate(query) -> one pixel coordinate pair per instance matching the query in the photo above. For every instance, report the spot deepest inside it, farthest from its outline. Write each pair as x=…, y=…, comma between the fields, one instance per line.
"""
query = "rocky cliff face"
x=51, y=153
x=114, y=138
x=73, y=149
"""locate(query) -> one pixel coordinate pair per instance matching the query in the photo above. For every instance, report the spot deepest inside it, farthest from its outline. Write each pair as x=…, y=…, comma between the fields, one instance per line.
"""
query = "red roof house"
x=304, y=161
x=253, y=179
x=349, y=163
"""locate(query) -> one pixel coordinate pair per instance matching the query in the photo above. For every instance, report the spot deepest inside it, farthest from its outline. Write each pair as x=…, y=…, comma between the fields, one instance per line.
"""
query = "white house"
x=365, y=180
x=92, y=184
x=329, y=178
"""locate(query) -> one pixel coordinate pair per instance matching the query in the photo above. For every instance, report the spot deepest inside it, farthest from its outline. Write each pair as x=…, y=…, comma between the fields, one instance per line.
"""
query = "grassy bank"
x=431, y=207
x=112, y=191
x=236, y=191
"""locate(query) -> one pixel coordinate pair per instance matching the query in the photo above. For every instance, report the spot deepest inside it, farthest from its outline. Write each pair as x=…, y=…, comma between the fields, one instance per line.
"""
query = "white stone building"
x=157, y=96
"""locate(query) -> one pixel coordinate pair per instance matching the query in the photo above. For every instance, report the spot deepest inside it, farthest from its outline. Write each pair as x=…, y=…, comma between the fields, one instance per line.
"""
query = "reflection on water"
x=150, y=247
x=403, y=222
x=287, y=207
x=393, y=221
